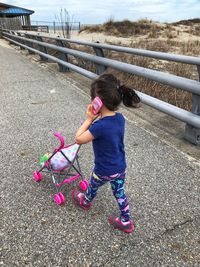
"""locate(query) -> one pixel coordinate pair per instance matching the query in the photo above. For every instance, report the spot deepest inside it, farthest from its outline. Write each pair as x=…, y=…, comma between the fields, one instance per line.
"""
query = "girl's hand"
x=83, y=135
x=90, y=114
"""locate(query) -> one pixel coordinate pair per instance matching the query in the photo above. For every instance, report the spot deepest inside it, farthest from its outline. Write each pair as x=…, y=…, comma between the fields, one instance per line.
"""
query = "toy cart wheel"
x=83, y=185
x=59, y=198
x=37, y=176
x=62, y=197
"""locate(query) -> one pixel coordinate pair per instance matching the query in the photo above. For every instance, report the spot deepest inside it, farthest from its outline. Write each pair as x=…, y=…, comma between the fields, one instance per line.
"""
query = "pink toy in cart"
x=63, y=167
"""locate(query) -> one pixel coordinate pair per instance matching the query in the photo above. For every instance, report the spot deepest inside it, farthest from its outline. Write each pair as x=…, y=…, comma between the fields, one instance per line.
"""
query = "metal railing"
x=55, y=26
x=192, y=119
x=37, y=28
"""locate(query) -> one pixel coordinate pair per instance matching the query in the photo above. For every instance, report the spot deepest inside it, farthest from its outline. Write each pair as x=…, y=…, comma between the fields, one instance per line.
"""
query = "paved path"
x=162, y=184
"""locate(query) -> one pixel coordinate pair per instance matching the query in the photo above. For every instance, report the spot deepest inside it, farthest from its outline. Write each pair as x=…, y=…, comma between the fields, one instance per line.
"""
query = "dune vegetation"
x=181, y=37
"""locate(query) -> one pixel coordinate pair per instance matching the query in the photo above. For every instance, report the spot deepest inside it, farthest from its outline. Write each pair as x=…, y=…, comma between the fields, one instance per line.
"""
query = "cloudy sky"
x=91, y=11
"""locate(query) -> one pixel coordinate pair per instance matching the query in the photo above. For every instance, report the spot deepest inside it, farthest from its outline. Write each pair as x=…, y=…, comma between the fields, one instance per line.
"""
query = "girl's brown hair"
x=108, y=88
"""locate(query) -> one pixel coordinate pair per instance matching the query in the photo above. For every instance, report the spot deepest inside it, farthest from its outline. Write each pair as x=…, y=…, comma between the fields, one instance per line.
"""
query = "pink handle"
x=62, y=141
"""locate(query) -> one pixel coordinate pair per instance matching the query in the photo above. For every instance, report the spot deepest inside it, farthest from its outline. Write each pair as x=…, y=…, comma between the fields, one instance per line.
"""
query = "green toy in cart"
x=44, y=158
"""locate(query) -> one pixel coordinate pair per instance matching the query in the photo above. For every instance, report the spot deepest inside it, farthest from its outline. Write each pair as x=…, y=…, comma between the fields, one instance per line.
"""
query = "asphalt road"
x=162, y=184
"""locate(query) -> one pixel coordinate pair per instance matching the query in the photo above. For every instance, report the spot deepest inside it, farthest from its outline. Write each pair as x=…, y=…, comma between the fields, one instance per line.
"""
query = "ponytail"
x=128, y=96
x=108, y=88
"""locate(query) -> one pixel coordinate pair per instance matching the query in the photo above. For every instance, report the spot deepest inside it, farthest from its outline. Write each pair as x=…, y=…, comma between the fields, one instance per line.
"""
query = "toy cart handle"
x=61, y=139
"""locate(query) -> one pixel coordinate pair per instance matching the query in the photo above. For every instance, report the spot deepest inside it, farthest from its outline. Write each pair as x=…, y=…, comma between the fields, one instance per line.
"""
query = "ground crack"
x=167, y=231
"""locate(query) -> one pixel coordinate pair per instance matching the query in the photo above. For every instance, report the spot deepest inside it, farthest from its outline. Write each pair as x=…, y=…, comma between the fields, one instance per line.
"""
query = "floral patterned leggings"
x=117, y=184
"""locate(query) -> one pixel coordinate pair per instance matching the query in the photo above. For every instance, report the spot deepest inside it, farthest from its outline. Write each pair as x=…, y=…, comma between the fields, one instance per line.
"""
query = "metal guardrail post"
x=192, y=133
x=41, y=48
x=29, y=44
x=11, y=37
x=99, y=68
x=23, y=42
x=63, y=57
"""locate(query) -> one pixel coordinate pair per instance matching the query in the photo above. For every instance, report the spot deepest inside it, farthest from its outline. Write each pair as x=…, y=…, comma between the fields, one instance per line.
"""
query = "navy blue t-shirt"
x=108, y=145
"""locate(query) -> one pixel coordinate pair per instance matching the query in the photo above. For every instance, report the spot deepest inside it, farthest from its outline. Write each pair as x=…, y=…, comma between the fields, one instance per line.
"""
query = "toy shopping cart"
x=63, y=166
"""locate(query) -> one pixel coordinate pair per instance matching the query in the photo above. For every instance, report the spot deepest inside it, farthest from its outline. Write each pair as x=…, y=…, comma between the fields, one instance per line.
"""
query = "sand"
x=181, y=33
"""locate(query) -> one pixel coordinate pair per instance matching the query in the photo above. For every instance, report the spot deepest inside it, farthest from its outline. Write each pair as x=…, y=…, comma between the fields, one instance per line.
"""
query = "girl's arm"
x=83, y=135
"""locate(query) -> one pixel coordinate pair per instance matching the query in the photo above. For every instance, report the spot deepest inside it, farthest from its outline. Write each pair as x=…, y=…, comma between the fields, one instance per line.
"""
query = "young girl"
x=107, y=136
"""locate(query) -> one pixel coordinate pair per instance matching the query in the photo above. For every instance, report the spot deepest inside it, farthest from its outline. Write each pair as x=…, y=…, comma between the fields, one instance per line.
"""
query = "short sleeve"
x=96, y=129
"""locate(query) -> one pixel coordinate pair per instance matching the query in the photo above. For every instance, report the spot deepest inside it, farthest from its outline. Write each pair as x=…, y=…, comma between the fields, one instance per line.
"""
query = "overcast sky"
x=91, y=11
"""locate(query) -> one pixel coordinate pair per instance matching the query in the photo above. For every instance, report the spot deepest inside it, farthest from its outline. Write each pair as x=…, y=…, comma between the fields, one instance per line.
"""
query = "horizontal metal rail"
x=73, y=67
x=164, y=78
x=134, y=51
x=167, y=108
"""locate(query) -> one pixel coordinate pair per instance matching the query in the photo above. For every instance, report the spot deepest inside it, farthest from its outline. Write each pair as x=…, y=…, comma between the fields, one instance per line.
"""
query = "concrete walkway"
x=162, y=184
